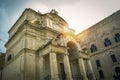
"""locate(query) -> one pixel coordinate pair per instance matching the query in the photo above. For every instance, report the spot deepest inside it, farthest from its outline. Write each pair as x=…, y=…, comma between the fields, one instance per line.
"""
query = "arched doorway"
x=72, y=48
x=73, y=51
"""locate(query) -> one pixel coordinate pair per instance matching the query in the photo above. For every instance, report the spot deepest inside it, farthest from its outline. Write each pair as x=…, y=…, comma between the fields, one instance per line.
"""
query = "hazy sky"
x=80, y=14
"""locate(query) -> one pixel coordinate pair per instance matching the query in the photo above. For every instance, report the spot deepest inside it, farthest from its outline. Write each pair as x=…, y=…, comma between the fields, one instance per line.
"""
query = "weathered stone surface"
x=40, y=48
x=96, y=34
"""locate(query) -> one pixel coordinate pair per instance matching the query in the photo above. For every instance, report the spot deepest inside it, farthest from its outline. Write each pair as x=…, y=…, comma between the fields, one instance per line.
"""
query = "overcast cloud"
x=80, y=14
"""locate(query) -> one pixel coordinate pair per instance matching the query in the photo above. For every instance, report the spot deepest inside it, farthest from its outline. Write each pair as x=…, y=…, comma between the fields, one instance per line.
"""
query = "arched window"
x=113, y=57
x=98, y=63
x=93, y=48
x=107, y=42
x=9, y=57
x=117, y=37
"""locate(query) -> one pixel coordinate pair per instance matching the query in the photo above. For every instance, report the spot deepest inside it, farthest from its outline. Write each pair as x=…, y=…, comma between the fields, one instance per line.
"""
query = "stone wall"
x=14, y=69
x=96, y=34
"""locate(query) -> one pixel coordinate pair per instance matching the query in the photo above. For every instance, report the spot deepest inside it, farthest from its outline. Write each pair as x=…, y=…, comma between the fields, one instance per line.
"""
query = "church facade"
x=42, y=47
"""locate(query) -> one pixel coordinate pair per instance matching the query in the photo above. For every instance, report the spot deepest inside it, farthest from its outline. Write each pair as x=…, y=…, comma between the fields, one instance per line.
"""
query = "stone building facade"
x=42, y=47
x=102, y=41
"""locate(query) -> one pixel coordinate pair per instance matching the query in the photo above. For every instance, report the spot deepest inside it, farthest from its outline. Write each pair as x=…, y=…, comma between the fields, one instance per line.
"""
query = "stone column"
x=53, y=66
x=67, y=67
x=41, y=65
x=82, y=68
x=90, y=69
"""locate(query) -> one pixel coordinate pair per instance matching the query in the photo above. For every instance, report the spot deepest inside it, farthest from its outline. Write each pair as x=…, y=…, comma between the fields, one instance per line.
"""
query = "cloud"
x=80, y=14
x=57, y=3
x=38, y=6
x=3, y=15
x=3, y=28
x=3, y=22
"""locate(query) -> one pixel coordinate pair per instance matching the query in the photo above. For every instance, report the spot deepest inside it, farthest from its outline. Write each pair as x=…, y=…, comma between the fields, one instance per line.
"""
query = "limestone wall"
x=96, y=34
x=14, y=69
x=30, y=66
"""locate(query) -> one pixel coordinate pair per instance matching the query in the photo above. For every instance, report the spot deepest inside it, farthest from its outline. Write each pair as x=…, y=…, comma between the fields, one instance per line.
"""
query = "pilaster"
x=53, y=66
x=82, y=68
x=41, y=65
x=67, y=67
x=90, y=69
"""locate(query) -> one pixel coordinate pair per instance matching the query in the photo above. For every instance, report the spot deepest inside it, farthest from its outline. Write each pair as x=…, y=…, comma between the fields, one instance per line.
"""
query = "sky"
x=79, y=14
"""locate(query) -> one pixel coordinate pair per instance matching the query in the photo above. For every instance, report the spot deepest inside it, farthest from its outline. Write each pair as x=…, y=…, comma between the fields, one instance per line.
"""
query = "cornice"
x=17, y=31
x=27, y=9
